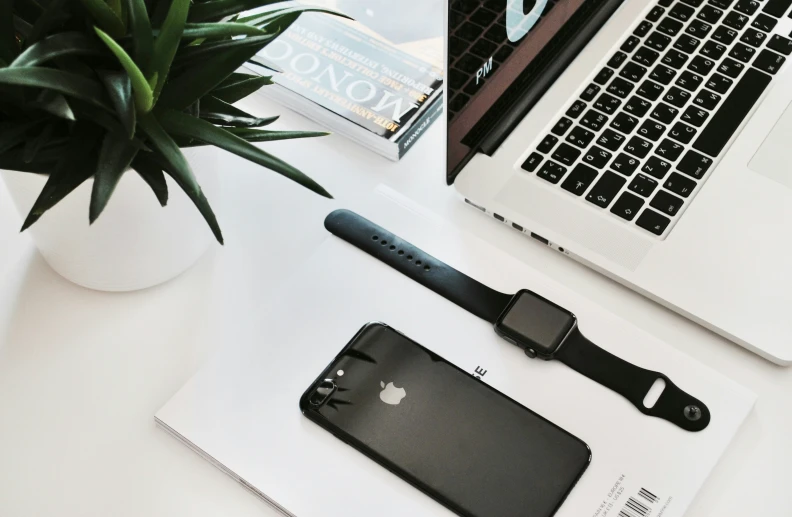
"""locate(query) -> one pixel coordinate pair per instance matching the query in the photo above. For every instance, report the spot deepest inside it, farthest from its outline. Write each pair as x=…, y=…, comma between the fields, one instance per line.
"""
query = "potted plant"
x=111, y=98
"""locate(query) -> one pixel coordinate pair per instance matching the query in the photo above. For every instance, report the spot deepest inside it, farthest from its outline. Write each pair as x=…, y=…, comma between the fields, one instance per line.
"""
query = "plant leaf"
x=75, y=166
x=217, y=9
x=198, y=55
x=67, y=83
x=114, y=158
x=220, y=30
x=34, y=144
x=224, y=114
x=144, y=97
x=9, y=48
x=142, y=38
x=55, y=104
x=282, y=17
x=239, y=90
x=191, y=127
x=53, y=14
x=119, y=89
x=58, y=45
x=177, y=167
x=263, y=135
x=105, y=17
x=167, y=42
x=201, y=78
x=13, y=134
x=152, y=174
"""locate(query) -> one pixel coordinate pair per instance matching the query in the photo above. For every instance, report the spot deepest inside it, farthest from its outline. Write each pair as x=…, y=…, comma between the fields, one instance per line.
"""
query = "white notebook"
x=241, y=410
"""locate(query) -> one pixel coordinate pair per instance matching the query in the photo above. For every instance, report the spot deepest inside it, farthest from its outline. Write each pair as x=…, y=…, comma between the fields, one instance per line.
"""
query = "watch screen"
x=536, y=323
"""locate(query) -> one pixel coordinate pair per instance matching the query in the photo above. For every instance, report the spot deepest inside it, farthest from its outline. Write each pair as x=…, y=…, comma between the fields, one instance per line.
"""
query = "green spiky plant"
x=93, y=88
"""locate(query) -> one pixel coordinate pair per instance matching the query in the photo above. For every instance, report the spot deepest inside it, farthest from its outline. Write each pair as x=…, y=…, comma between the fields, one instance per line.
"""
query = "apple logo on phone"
x=392, y=395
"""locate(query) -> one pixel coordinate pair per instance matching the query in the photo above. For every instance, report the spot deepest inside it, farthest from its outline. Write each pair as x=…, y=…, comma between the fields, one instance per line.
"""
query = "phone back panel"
x=465, y=444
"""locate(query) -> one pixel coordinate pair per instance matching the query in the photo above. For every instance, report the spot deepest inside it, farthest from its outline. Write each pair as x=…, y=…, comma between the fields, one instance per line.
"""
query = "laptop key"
x=617, y=60
x=597, y=157
x=707, y=100
x=637, y=106
x=780, y=44
x=532, y=162
x=777, y=8
x=624, y=123
x=764, y=23
x=607, y=104
x=629, y=45
x=735, y=20
x=590, y=92
x=656, y=167
x=722, y=4
x=620, y=88
x=651, y=130
x=676, y=97
x=698, y=29
x=731, y=113
x=594, y=120
x=666, y=203
x=551, y=172
x=669, y=150
x=670, y=26
x=687, y=44
x=694, y=164
x=611, y=140
x=719, y=83
x=689, y=81
x=561, y=126
x=731, y=68
x=627, y=206
x=695, y=116
x=753, y=38
x=638, y=147
x=643, y=29
x=633, y=71
x=711, y=13
x=546, y=145
x=580, y=137
x=664, y=113
x=576, y=109
x=675, y=59
x=643, y=185
x=662, y=74
x=701, y=65
x=650, y=90
x=579, y=179
x=682, y=133
x=646, y=56
x=603, y=76
x=655, y=13
x=747, y=6
x=769, y=62
x=625, y=164
x=679, y=184
x=724, y=35
x=605, y=189
x=681, y=12
x=566, y=154
x=658, y=41
x=653, y=222
x=713, y=50
x=742, y=52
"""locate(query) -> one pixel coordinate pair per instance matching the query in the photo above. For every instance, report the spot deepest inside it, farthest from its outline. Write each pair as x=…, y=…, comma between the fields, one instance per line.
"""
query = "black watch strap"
x=633, y=382
x=577, y=352
x=471, y=295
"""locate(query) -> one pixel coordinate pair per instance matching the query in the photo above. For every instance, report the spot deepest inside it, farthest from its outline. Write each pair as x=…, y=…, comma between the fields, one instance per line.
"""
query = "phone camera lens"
x=322, y=392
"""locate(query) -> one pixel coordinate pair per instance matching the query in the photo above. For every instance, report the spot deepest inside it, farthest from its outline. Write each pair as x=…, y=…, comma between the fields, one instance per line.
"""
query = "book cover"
x=353, y=79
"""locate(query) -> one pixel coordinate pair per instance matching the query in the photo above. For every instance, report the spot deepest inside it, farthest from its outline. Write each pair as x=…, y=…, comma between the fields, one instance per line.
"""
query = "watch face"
x=535, y=323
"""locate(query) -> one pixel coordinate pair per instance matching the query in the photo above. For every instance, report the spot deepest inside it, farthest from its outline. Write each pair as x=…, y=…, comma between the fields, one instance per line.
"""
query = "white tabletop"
x=82, y=372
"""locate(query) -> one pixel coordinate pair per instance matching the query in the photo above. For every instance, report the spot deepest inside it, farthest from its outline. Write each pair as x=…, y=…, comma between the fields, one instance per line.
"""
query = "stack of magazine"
x=377, y=79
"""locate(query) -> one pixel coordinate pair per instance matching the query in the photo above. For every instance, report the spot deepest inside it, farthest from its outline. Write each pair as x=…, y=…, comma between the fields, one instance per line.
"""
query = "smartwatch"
x=540, y=327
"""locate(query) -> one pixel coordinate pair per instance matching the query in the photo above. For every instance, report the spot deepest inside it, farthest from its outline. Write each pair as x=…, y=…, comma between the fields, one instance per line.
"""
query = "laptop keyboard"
x=478, y=32
x=643, y=134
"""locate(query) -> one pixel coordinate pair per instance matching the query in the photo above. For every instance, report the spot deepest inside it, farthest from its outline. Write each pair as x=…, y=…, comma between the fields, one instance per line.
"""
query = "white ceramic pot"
x=135, y=243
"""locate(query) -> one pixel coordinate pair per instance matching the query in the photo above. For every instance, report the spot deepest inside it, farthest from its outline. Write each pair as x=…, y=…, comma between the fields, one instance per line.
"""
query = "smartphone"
x=463, y=443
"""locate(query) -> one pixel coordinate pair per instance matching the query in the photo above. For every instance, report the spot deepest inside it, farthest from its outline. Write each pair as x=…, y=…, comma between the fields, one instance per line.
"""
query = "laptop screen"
x=491, y=44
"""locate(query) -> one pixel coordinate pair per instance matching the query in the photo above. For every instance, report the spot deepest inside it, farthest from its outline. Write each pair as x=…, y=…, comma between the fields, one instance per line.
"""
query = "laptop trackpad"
x=774, y=157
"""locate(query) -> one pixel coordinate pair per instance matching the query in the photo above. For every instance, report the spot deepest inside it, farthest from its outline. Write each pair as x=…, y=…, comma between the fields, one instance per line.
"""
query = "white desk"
x=82, y=372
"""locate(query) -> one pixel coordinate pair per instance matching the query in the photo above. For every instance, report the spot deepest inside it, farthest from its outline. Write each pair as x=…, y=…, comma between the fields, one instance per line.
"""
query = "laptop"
x=651, y=141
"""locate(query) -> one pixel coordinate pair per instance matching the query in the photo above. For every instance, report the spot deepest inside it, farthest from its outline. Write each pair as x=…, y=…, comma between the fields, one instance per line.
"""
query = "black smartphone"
x=463, y=443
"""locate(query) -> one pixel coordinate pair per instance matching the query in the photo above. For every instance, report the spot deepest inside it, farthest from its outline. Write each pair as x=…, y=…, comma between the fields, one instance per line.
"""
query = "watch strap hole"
x=653, y=395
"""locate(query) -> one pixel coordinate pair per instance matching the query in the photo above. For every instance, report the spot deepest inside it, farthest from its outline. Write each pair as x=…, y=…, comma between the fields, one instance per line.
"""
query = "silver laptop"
x=651, y=141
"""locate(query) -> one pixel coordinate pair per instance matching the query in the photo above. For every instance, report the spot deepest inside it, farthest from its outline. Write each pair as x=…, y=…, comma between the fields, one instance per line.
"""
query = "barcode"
x=638, y=508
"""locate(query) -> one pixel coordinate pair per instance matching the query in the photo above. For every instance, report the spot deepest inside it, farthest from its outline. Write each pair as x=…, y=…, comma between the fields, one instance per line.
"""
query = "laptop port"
x=540, y=238
x=499, y=217
x=517, y=226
